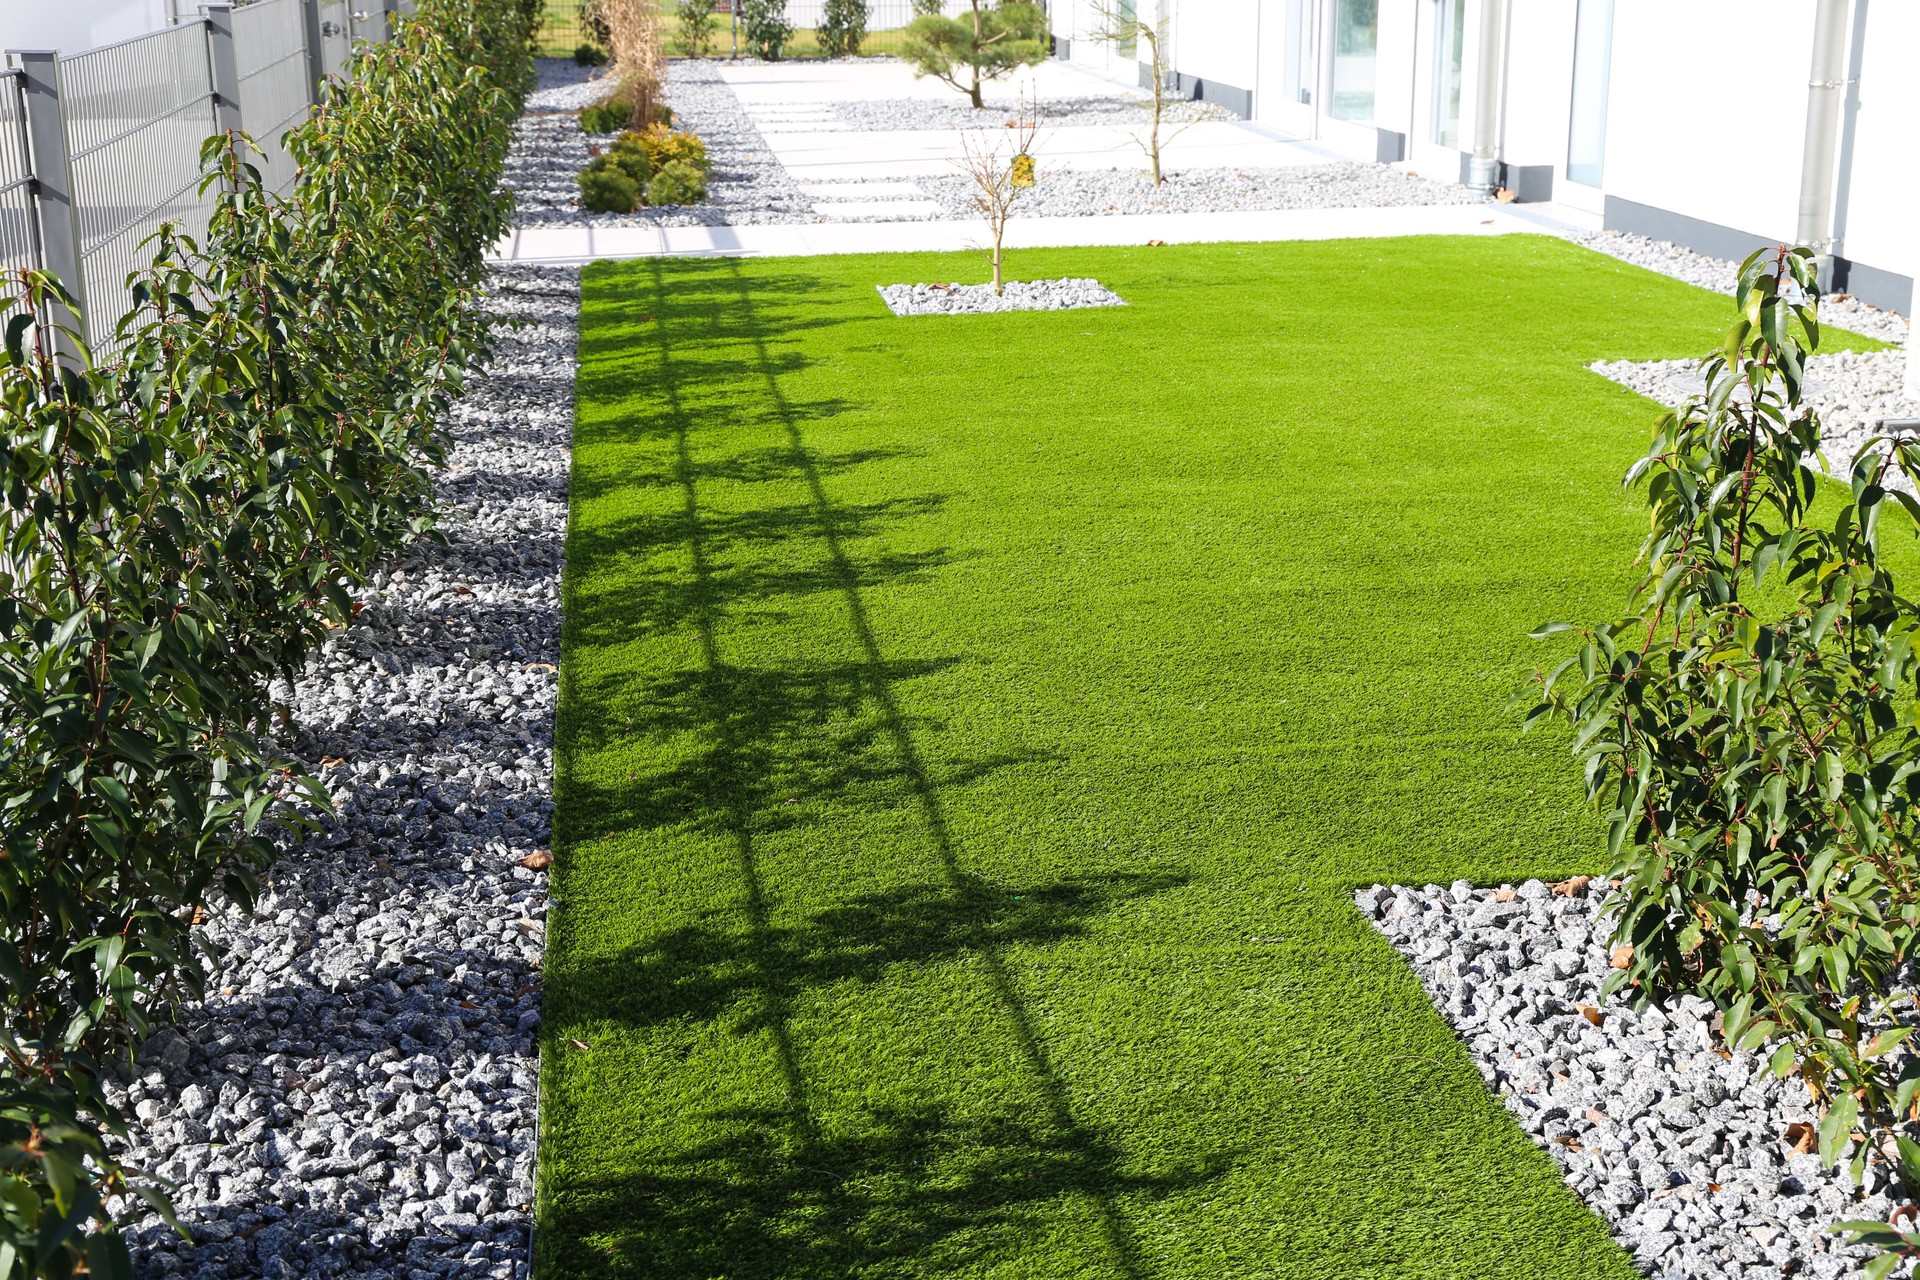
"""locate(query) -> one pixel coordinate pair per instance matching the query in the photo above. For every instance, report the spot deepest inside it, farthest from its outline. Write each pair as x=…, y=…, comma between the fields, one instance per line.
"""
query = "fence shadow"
x=777, y=1190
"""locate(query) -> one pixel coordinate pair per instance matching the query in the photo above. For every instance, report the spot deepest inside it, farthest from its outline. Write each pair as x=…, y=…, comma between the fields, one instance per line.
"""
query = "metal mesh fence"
x=270, y=48
x=136, y=113
x=19, y=237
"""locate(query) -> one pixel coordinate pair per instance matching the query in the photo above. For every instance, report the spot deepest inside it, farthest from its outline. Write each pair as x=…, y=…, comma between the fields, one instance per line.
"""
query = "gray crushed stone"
x=1721, y=274
x=745, y=186
x=1850, y=390
x=356, y=1097
x=1120, y=108
x=974, y=299
x=1063, y=193
x=1680, y=1149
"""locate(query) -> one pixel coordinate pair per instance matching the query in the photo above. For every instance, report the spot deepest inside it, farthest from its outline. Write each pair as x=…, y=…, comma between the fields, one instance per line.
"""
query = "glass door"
x=1356, y=41
x=1587, y=121
x=1449, y=64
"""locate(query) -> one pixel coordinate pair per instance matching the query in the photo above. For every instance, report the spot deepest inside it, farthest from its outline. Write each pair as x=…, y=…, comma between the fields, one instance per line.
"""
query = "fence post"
x=316, y=56
x=224, y=69
x=53, y=186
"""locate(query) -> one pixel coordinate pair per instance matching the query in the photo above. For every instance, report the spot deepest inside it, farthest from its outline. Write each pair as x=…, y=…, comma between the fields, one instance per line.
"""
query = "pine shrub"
x=677, y=182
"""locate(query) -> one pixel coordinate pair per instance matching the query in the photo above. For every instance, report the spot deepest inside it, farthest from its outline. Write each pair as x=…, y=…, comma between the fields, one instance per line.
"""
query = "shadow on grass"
x=772, y=1191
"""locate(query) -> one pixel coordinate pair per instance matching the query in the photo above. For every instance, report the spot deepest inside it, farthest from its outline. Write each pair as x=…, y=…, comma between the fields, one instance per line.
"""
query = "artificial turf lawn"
x=971, y=731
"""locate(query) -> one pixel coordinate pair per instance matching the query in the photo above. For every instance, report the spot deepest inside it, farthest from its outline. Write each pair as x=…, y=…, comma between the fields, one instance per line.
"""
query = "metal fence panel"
x=336, y=36
x=136, y=114
x=270, y=46
x=19, y=236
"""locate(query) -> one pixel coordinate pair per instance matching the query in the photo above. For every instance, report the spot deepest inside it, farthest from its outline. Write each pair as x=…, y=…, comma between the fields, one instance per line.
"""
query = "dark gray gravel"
x=1020, y=295
x=357, y=1096
x=746, y=185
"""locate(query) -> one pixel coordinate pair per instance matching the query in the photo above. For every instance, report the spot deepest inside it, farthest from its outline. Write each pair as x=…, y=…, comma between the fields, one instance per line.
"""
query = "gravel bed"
x=1119, y=108
x=746, y=185
x=1081, y=193
x=565, y=85
x=1720, y=275
x=1680, y=1148
x=357, y=1096
x=1021, y=295
x=1850, y=390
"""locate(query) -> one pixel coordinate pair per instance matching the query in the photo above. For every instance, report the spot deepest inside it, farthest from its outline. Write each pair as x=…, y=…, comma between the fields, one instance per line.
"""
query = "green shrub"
x=928, y=8
x=607, y=187
x=589, y=55
x=764, y=25
x=183, y=524
x=1752, y=733
x=696, y=27
x=606, y=117
x=663, y=147
x=843, y=25
x=677, y=182
x=632, y=158
x=616, y=115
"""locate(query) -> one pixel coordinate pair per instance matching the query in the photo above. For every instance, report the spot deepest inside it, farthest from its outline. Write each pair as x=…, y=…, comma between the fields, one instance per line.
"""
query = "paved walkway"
x=790, y=103
x=556, y=246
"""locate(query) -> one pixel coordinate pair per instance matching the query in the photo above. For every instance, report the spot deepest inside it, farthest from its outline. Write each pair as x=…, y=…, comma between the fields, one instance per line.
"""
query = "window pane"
x=1449, y=54
x=1356, y=33
x=1592, y=59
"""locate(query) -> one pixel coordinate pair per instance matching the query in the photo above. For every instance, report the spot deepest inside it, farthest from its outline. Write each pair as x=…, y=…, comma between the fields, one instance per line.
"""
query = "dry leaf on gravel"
x=1802, y=1137
x=1505, y=894
x=1571, y=888
x=538, y=860
x=1592, y=1014
x=1621, y=956
x=1596, y=1115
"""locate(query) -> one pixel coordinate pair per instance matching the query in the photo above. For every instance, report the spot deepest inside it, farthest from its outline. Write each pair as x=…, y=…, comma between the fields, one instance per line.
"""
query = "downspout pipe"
x=1826, y=97
x=1483, y=169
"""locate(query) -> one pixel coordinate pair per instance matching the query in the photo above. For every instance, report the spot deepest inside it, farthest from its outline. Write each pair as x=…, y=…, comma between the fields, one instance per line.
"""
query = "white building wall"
x=78, y=24
x=1683, y=77
x=1880, y=191
x=1217, y=39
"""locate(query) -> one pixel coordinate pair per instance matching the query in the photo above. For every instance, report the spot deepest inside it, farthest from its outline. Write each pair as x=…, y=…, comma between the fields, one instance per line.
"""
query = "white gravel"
x=1720, y=275
x=1679, y=1146
x=1850, y=390
x=1021, y=295
x=1119, y=108
x=1085, y=193
x=357, y=1096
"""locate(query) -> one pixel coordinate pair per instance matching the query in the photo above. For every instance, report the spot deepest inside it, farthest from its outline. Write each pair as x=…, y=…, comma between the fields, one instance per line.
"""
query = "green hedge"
x=182, y=523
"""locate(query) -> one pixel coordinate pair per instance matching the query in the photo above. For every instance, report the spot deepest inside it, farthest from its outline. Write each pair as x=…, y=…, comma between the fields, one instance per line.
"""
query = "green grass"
x=971, y=730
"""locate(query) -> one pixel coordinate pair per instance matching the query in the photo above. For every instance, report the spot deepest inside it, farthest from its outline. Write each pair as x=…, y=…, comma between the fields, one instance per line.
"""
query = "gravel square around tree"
x=974, y=299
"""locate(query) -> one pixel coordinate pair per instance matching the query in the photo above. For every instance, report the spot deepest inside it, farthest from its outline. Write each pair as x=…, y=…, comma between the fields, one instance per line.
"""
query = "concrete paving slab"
x=878, y=208
x=795, y=83
x=562, y=245
x=864, y=190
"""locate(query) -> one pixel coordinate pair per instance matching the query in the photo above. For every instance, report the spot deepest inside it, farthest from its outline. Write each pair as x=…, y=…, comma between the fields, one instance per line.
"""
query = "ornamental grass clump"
x=183, y=519
x=1751, y=729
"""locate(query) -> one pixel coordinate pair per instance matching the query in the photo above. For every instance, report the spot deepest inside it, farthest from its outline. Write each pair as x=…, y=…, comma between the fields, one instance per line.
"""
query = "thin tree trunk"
x=974, y=92
x=999, y=232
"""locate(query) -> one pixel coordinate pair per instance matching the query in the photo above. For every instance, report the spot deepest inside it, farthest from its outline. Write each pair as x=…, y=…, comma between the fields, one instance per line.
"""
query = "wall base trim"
x=1234, y=99
x=1888, y=290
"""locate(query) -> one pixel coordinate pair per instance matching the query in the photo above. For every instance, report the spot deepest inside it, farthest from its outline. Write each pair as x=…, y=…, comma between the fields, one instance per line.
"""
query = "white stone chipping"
x=973, y=299
x=1683, y=1149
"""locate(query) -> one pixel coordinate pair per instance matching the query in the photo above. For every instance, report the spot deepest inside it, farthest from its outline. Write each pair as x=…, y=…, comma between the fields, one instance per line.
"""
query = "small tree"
x=1752, y=732
x=1122, y=27
x=764, y=23
x=1000, y=172
x=983, y=44
x=696, y=27
x=843, y=25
